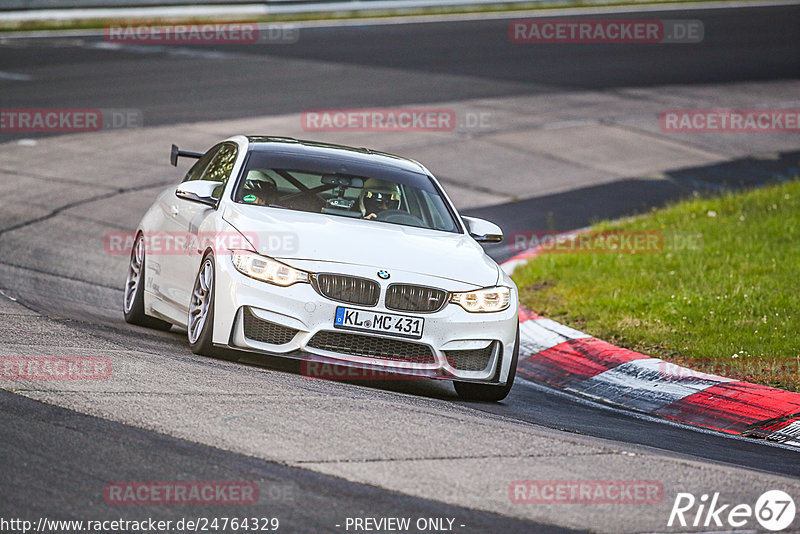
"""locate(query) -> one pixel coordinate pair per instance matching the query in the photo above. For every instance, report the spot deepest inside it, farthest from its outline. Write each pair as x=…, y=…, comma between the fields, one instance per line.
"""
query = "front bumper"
x=455, y=344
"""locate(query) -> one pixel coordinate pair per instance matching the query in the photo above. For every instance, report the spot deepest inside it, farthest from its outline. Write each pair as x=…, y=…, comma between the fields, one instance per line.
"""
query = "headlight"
x=490, y=299
x=266, y=269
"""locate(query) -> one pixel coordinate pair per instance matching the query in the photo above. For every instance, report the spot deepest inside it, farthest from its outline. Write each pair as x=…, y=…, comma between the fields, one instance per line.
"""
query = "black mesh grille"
x=403, y=297
x=348, y=289
x=372, y=347
x=470, y=360
x=265, y=331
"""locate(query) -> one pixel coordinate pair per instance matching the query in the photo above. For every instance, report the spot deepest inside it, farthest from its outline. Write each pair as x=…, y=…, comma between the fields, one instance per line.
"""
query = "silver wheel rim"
x=201, y=300
x=134, y=273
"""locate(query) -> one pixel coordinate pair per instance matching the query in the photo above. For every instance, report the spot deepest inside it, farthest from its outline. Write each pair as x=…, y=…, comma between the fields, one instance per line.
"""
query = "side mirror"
x=199, y=191
x=483, y=231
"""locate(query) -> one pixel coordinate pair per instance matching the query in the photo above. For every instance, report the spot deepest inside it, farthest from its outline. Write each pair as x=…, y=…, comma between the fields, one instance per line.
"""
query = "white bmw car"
x=333, y=255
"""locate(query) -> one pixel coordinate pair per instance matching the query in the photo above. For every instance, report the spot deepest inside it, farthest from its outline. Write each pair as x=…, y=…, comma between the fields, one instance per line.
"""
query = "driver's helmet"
x=259, y=188
x=377, y=196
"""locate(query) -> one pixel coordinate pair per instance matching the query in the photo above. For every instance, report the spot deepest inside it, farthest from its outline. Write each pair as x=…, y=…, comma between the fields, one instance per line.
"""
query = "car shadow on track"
x=420, y=387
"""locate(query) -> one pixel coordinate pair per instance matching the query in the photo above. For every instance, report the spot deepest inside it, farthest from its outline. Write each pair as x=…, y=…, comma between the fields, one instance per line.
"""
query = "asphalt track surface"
x=310, y=502
x=374, y=66
x=366, y=66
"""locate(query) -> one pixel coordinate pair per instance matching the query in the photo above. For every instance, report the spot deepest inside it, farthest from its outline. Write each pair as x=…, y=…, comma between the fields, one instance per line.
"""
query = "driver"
x=377, y=196
x=259, y=189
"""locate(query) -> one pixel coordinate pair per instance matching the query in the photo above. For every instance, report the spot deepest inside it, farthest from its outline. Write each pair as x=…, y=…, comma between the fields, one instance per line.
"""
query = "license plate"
x=386, y=323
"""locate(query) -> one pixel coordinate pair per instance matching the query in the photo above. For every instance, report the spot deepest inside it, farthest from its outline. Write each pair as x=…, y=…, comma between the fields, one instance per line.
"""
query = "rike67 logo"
x=774, y=510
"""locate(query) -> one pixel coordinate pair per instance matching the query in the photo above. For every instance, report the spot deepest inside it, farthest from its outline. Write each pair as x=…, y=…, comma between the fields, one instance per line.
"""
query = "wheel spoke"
x=139, y=251
x=201, y=300
x=134, y=273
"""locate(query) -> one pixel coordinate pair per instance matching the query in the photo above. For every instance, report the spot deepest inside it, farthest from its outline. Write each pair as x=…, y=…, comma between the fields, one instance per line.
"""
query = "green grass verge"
x=721, y=296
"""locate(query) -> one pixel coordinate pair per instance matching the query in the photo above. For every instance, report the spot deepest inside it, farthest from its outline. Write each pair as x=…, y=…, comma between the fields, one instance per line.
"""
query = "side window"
x=197, y=170
x=220, y=167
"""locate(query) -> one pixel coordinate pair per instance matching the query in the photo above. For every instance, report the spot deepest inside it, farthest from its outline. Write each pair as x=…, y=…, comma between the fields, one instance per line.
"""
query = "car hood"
x=294, y=235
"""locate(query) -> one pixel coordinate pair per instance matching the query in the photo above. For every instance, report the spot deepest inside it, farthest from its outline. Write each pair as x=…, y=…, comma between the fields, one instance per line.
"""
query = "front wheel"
x=133, y=299
x=201, y=313
x=490, y=392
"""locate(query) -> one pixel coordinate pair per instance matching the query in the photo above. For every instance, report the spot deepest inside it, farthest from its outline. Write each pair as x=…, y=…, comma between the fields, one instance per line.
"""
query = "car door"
x=188, y=219
x=163, y=248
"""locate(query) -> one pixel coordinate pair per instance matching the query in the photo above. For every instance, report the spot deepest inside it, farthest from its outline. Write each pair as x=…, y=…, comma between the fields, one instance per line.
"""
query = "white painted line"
x=133, y=12
x=578, y=399
x=537, y=335
x=233, y=11
x=14, y=76
x=538, y=12
x=672, y=371
x=509, y=266
x=568, y=124
x=642, y=385
x=9, y=297
x=791, y=431
x=159, y=49
x=558, y=328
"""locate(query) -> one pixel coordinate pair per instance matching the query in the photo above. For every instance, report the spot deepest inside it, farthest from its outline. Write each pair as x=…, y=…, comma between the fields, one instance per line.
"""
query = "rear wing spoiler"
x=176, y=152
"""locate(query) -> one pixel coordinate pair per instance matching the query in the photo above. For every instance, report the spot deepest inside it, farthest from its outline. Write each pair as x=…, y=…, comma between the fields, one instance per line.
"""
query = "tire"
x=200, y=324
x=489, y=392
x=133, y=298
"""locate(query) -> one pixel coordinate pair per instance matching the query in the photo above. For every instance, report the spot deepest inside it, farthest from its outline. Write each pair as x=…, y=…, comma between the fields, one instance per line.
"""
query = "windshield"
x=360, y=197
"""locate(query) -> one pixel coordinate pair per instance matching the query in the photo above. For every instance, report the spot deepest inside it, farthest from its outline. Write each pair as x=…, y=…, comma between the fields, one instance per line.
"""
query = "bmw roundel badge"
x=383, y=275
